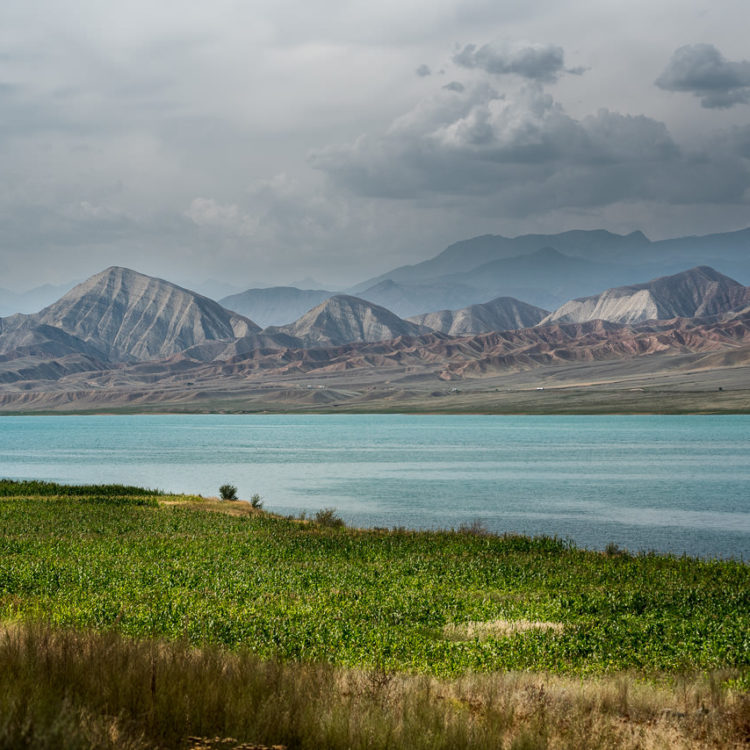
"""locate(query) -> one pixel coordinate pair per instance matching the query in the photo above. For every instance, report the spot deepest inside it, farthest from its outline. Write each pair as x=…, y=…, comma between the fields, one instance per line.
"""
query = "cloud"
x=456, y=86
x=701, y=70
x=536, y=62
x=523, y=155
x=423, y=71
x=207, y=212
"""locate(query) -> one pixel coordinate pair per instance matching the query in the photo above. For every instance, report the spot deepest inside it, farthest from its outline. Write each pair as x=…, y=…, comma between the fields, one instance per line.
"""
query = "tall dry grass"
x=62, y=689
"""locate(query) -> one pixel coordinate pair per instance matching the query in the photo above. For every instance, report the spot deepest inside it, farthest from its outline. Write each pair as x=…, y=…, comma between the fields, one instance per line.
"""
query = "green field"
x=138, y=620
x=441, y=603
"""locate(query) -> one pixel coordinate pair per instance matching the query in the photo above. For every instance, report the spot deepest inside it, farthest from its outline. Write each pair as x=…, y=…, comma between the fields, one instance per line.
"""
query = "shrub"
x=256, y=501
x=475, y=528
x=614, y=550
x=228, y=492
x=328, y=517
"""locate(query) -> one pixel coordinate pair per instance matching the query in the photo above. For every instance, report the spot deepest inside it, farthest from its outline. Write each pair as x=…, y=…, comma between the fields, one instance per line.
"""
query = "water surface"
x=669, y=483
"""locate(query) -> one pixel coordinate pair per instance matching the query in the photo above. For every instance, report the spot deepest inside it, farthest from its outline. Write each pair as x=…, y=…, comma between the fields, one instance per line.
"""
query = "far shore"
x=593, y=400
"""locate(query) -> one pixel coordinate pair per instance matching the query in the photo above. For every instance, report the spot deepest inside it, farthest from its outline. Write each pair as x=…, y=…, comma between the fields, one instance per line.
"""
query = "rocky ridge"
x=129, y=316
x=501, y=314
x=343, y=319
x=697, y=292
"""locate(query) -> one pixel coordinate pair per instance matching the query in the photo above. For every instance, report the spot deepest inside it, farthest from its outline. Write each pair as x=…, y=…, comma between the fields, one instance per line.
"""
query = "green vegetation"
x=228, y=492
x=329, y=518
x=131, y=619
x=395, y=600
x=13, y=488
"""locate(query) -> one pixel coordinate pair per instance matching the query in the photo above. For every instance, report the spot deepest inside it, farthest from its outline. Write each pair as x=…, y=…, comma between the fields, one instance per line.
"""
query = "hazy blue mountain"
x=728, y=251
x=412, y=299
x=308, y=283
x=614, y=260
x=501, y=314
x=7, y=303
x=276, y=305
x=31, y=300
x=467, y=255
x=545, y=278
x=214, y=288
x=698, y=292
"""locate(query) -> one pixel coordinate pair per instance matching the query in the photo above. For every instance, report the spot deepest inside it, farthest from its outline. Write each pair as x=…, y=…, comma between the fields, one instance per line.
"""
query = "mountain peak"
x=697, y=292
x=131, y=316
x=343, y=319
x=501, y=314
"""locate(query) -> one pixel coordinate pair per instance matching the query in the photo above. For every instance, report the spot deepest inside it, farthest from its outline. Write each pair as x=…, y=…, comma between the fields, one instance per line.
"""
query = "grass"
x=34, y=488
x=165, y=617
x=160, y=567
x=61, y=688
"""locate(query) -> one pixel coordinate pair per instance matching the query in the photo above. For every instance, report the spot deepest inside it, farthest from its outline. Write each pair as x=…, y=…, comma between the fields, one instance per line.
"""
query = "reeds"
x=71, y=689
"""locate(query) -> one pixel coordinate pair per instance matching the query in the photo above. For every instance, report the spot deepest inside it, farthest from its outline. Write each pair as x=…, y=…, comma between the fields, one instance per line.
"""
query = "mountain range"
x=542, y=270
x=501, y=314
x=547, y=270
x=122, y=330
x=120, y=315
x=275, y=306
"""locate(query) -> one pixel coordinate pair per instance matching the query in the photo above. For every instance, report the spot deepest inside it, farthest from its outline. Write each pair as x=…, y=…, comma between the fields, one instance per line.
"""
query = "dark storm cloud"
x=741, y=139
x=522, y=155
x=701, y=70
x=540, y=62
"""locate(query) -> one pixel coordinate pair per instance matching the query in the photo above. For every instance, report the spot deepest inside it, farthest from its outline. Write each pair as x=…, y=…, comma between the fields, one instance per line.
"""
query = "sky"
x=269, y=141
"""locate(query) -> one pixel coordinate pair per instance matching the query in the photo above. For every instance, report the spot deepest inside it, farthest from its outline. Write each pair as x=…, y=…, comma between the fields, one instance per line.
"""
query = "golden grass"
x=214, y=504
x=467, y=631
x=73, y=689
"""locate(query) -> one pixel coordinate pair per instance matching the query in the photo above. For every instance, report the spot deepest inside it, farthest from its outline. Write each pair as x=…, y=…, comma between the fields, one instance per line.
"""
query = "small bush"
x=228, y=492
x=614, y=550
x=475, y=528
x=328, y=517
x=256, y=501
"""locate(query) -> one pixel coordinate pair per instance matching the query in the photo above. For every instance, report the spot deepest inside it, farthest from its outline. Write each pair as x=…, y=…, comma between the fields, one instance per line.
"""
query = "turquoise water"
x=668, y=483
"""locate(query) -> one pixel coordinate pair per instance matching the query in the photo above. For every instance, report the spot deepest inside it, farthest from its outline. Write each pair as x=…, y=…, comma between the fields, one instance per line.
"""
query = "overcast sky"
x=265, y=141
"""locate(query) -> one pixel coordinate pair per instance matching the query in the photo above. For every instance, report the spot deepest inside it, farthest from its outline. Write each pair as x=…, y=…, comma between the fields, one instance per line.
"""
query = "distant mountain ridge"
x=595, y=245
x=501, y=314
x=120, y=326
x=125, y=316
x=547, y=270
x=274, y=306
x=343, y=319
x=698, y=292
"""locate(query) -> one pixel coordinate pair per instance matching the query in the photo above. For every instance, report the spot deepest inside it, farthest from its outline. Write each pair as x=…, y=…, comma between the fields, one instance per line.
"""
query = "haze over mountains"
x=547, y=270
x=275, y=306
x=123, y=328
x=542, y=270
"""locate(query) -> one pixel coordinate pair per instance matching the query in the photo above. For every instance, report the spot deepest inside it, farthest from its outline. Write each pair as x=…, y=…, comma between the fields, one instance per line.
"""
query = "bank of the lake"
x=672, y=484
x=142, y=620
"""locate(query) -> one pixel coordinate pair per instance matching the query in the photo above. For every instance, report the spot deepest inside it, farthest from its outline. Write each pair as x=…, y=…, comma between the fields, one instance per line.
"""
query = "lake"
x=668, y=483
